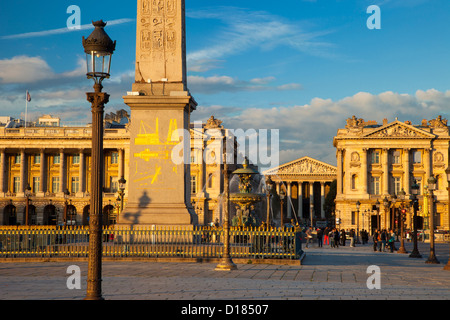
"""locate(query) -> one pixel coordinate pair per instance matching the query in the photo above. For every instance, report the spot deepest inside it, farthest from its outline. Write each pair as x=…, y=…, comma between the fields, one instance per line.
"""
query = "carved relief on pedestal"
x=438, y=160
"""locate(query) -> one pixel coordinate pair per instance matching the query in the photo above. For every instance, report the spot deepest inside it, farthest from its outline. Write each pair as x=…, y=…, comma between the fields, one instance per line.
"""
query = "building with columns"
x=306, y=182
x=377, y=161
x=51, y=165
x=54, y=161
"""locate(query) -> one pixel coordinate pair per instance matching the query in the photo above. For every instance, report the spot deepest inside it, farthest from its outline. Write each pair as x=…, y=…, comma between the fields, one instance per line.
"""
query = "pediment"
x=398, y=130
x=305, y=165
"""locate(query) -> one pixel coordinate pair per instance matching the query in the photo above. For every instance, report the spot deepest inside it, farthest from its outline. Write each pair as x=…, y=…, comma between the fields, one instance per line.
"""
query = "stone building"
x=377, y=161
x=54, y=162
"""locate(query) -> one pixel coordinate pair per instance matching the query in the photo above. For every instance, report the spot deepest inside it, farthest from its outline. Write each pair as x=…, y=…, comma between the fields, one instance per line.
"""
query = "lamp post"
x=226, y=264
x=447, y=172
x=431, y=187
x=386, y=204
x=377, y=206
x=269, y=186
x=282, y=195
x=99, y=49
x=402, y=195
x=121, y=192
x=27, y=204
x=415, y=203
x=358, y=205
x=393, y=201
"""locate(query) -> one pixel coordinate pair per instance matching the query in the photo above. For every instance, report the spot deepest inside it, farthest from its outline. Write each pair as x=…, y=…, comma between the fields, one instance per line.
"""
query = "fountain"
x=245, y=199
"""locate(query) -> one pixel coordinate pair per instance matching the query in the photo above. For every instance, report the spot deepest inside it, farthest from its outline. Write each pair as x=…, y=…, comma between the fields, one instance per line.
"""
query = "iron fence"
x=150, y=241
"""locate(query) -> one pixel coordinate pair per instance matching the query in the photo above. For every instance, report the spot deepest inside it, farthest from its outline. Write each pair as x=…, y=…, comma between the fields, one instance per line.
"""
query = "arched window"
x=50, y=215
x=354, y=181
x=9, y=215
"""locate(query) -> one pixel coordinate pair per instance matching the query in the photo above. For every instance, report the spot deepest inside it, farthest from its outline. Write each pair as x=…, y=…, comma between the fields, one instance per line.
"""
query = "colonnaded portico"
x=306, y=182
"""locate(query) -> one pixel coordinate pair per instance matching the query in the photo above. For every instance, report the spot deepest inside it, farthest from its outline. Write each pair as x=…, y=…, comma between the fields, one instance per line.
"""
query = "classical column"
x=62, y=167
x=42, y=173
x=364, y=170
x=23, y=173
x=289, y=199
x=2, y=171
x=82, y=173
x=121, y=163
x=427, y=164
x=322, y=199
x=300, y=199
x=339, y=172
x=385, y=167
x=406, y=169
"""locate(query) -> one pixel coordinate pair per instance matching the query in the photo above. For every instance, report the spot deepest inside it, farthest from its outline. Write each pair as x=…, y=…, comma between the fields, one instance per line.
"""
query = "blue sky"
x=303, y=67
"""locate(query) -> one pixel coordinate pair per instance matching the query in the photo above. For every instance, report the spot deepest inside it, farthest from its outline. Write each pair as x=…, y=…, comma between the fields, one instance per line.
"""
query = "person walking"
x=352, y=237
x=319, y=237
x=326, y=238
x=375, y=239
x=391, y=240
x=383, y=238
x=343, y=237
x=331, y=237
x=336, y=238
x=308, y=236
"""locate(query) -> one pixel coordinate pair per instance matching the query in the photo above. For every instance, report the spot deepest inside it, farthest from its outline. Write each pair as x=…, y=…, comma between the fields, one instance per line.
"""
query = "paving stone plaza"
x=325, y=274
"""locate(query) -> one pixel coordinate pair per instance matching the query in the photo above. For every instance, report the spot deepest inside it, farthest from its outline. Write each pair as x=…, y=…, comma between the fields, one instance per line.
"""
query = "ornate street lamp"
x=401, y=196
x=282, y=196
x=431, y=187
x=121, y=192
x=386, y=204
x=269, y=186
x=226, y=264
x=98, y=48
x=415, y=203
x=447, y=172
x=358, y=205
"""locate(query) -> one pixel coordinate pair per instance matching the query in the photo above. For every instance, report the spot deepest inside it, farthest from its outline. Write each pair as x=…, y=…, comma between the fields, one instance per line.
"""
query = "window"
x=193, y=184
x=354, y=177
x=417, y=156
x=375, y=157
x=37, y=159
x=55, y=184
x=17, y=158
x=76, y=159
x=376, y=185
x=114, y=158
x=397, y=185
x=354, y=217
x=16, y=186
x=56, y=159
x=396, y=157
x=36, y=183
x=193, y=156
x=419, y=182
x=75, y=184
x=113, y=184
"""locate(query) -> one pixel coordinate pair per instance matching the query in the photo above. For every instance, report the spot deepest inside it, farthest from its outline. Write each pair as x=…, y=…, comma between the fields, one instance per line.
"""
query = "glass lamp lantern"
x=99, y=49
x=432, y=183
x=415, y=188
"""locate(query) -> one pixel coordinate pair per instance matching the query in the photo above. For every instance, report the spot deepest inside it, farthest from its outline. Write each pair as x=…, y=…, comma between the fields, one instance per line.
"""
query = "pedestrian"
x=391, y=240
x=326, y=239
x=343, y=237
x=319, y=237
x=383, y=238
x=375, y=239
x=352, y=237
x=308, y=236
x=336, y=238
x=331, y=236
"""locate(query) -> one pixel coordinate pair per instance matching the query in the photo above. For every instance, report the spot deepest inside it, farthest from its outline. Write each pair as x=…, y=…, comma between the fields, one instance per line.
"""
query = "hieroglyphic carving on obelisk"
x=160, y=38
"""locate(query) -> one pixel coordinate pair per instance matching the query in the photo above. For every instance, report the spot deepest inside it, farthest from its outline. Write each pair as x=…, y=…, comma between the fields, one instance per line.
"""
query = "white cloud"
x=244, y=30
x=24, y=69
x=45, y=33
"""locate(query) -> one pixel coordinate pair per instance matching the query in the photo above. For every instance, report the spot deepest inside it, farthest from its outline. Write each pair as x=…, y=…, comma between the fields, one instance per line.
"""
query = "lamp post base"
x=447, y=266
x=226, y=265
x=432, y=260
x=415, y=254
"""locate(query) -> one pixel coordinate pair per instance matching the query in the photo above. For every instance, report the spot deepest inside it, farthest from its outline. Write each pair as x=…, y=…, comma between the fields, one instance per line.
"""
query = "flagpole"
x=26, y=108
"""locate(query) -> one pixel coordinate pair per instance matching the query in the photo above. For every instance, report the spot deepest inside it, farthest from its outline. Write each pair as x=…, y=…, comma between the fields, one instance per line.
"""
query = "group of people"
x=383, y=239
x=334, y=237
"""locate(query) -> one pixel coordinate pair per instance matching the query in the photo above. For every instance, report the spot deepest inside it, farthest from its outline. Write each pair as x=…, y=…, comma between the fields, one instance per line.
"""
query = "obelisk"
x=160, y=103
